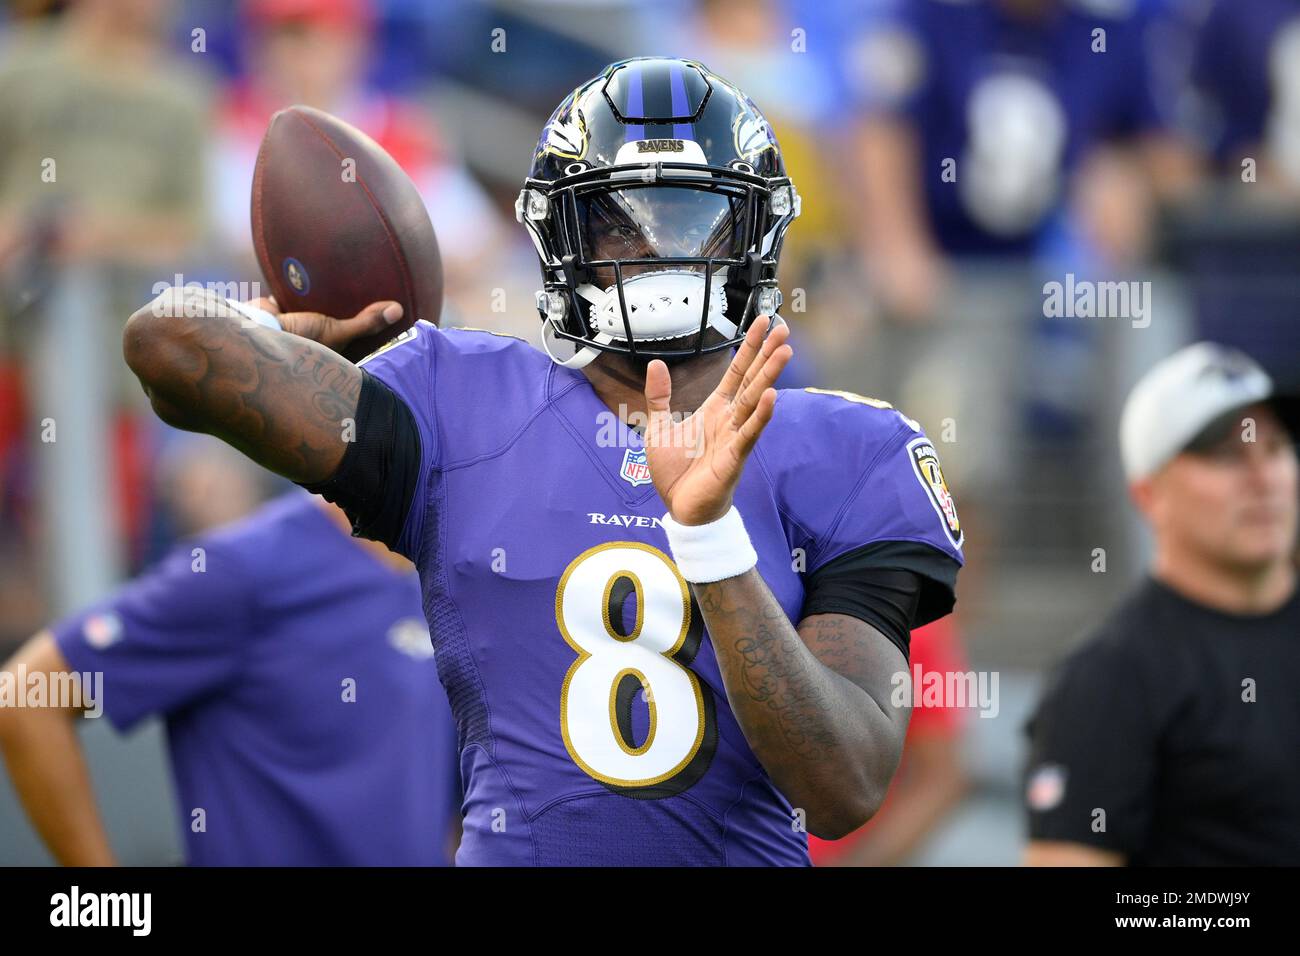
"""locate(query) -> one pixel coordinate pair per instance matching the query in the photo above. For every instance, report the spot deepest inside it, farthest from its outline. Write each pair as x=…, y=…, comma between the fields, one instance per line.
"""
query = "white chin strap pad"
x=661, y=305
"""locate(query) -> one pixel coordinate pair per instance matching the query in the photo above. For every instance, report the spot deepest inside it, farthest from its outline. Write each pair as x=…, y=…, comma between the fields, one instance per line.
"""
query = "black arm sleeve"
x=377, y=477
x=895, y=586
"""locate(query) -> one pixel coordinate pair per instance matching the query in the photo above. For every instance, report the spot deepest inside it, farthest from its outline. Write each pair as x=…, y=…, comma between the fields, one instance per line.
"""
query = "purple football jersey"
x=305, y=723
x=594, y=725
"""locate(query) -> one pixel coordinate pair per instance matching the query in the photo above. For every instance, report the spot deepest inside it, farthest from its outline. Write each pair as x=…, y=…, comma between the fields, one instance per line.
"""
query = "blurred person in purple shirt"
x=979, y=116
x=293, y=667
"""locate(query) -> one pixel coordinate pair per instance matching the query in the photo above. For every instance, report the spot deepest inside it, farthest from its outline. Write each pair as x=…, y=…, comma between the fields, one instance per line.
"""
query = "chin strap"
x=583, y=357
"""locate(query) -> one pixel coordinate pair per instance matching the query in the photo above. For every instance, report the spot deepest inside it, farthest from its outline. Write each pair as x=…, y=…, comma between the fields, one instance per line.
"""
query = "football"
x=338, y=225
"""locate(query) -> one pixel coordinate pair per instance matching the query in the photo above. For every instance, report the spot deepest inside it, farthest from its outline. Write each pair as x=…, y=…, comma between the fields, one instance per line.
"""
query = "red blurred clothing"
x=405, y=132
x=13, y=409
x=341, y=14
x=935, y=647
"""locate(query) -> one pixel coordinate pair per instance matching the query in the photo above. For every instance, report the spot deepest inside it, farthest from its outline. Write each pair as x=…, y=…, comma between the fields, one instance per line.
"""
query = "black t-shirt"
x=894, y=586
x=1173, y=736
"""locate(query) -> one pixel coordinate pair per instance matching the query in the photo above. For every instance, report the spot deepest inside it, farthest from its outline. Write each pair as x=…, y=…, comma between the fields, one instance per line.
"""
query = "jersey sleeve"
x=903, y=497
x=168, y=638
x=862, y=481
x=1091, y=771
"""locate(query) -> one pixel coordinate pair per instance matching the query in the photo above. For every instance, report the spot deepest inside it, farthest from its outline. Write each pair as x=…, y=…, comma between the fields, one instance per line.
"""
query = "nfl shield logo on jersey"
x=1046, y=787
x=635, y=470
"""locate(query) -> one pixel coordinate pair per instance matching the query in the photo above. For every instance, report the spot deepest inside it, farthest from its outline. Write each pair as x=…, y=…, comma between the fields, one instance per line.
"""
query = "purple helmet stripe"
x=635, y=105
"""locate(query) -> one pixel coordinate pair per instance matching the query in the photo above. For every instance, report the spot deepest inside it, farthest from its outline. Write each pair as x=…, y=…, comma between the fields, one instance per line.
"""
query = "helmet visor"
x=655, y=222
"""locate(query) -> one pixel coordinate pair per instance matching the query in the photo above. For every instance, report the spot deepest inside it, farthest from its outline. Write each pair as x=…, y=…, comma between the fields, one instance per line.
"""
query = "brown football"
x=337, y=225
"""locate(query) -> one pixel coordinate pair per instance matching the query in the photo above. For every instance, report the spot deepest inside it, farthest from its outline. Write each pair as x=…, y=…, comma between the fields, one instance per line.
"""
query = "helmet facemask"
x=660, y=251
x=649, y=260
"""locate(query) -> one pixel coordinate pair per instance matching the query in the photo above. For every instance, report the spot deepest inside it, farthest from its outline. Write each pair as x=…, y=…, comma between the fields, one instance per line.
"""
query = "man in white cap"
x=1172, y=736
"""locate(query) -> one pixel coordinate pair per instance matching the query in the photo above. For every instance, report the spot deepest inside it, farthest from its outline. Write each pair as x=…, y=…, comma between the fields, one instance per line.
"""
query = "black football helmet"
x=658, y=203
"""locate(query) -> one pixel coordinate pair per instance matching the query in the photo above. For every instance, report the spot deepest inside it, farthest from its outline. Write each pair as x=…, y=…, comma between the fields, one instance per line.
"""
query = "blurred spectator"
x=930, y=781
x=101, y=177
x=104, y=136
x=245, y=641
x=1003, y=142
x=1170, y=737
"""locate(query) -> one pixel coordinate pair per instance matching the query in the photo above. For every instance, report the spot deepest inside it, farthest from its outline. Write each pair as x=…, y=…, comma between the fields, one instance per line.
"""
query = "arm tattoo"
x=278, y=398
x=811, y=702
x=782, y=677
x=770, y=674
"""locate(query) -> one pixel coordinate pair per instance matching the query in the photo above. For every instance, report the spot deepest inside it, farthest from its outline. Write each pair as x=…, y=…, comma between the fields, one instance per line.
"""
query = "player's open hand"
x=695, y=463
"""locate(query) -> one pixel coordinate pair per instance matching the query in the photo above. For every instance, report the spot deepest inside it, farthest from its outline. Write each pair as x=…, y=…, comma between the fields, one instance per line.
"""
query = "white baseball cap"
x=1180, y=397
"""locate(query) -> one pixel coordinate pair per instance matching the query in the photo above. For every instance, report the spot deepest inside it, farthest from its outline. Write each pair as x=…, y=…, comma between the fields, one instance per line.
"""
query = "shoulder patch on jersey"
x=409, y=335
x=925, y=465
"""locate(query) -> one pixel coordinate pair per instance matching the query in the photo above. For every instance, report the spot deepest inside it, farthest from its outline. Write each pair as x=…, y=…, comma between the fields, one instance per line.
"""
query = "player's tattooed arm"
x=813, y=702
x=284, y=400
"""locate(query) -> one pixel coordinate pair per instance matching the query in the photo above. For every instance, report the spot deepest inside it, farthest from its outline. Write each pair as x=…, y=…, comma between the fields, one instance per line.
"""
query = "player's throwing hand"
x=335, y=334
x=696, y=463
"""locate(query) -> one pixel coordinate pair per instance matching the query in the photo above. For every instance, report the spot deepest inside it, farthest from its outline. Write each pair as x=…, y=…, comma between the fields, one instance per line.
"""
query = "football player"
x=669, y=603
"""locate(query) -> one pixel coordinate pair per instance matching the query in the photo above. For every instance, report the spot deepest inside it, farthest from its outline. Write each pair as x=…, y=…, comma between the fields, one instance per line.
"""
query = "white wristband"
x=711, y=552
x=253, y=314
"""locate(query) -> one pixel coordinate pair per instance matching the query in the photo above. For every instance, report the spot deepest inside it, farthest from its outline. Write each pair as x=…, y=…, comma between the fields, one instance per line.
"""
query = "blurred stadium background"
x=1169, y=156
